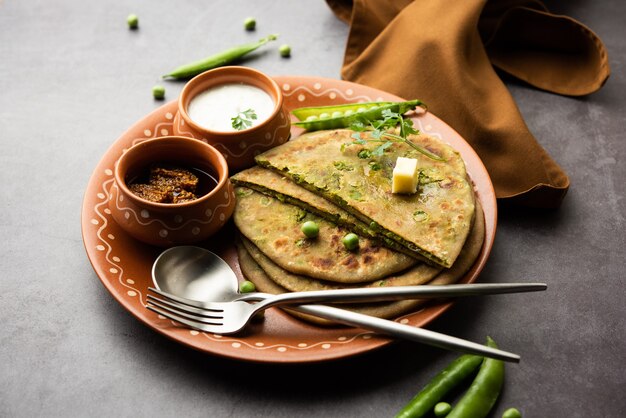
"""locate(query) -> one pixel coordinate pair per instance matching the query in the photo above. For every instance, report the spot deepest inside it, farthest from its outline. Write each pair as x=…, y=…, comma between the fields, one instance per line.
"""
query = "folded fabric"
x=446, y=54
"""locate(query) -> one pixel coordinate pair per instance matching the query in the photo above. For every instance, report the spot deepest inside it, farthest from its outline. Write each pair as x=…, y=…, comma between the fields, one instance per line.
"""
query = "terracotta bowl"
x=167, y=224
x=239, y=147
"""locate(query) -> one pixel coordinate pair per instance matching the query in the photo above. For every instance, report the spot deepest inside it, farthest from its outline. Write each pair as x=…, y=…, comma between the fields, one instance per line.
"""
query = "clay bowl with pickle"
x=238, y=110
x=171, y=190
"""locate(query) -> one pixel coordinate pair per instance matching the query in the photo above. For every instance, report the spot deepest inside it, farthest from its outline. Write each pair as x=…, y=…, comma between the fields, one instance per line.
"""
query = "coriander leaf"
x=243, y=120
x=359, y=125
x=390, y=114
x=379, y=150
x=376, y=133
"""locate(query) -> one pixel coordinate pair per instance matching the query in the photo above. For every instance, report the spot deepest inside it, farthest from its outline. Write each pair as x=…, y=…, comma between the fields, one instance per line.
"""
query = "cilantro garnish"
x=379, y=130
x=243, y=120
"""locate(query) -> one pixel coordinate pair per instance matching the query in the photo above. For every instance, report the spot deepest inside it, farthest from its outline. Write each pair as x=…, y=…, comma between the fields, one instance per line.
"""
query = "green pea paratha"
x=434, y=222
x=270, y=278
x=416, y=275
x=274, y=227
x=281, y=187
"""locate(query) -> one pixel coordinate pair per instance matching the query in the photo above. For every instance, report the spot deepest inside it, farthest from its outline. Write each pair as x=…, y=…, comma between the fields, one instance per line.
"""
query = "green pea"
x=249, y=23
x=247, y=287
x=324, y=115
x=442, y=409
x=337, y=114
x=351, y=241
x=133, y=21
x=158, y=92
x=310, y=229
x=512, y=413
x=311, y=118
x=285, y=51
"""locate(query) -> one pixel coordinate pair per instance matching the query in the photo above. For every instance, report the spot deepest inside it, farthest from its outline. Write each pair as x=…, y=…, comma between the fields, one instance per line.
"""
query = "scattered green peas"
x=310, y=229
x=158, y=92
x=351, y=241
x=285, y=51
x=512, y=413
x=133, y=21
x=442, y=409
x=247, y=287
x=249, y=23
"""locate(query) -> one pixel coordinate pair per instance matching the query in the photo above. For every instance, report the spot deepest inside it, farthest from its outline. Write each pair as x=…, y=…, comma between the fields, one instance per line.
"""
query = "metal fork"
x=231, y=317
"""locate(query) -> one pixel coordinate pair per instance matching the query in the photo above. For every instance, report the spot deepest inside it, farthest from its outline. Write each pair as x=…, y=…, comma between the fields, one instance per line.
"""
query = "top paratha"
x=434, y=222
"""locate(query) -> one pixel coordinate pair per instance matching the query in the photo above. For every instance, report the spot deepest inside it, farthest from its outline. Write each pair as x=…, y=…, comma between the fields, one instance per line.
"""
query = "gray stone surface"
x=73, y=78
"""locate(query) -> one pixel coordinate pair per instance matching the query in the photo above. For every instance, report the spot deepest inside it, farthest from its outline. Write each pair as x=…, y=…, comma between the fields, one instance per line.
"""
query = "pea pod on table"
x=220, y=59
x=450, y=377
x=484, y=391
x=341, y=116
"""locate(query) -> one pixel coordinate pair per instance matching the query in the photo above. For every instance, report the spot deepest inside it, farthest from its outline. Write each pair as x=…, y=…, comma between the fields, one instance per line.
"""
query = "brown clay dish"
x=123, y=264
x=167, y=224
x=240, y=147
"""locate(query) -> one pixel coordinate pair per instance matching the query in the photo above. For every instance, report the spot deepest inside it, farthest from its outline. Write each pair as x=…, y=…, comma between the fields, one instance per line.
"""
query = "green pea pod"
x=342, y=116
x=484, y=391
x=217, y=60
x=450, y=377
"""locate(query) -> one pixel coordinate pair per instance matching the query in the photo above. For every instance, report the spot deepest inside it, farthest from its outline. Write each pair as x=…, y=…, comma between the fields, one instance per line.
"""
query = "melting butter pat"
x=405, y=176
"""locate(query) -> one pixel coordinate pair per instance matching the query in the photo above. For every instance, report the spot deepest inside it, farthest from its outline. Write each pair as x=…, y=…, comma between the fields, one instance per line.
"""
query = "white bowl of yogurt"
x=238, y=110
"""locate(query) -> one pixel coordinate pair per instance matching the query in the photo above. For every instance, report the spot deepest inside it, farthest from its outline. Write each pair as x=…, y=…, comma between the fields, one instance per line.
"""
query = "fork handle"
x=370, y=294
x=405, y=331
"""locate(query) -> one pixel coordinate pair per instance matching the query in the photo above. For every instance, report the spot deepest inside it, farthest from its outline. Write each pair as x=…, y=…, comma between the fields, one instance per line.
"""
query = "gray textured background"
x=73, y=78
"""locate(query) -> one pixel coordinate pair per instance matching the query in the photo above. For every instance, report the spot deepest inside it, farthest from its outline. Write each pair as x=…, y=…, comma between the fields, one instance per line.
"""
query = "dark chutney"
x=168, y=183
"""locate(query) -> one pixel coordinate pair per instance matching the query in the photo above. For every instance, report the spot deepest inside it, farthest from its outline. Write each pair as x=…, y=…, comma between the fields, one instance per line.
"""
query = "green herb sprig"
x=378, y=130
x=243, y=120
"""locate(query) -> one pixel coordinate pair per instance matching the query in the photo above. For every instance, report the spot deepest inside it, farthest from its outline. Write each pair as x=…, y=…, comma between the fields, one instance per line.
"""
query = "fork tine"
x=184, y=301
x=173, y=309
x=188, y=323
x=209, y=313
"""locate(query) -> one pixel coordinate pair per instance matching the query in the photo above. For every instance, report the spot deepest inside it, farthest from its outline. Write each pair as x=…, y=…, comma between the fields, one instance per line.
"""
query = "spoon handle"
x=407, y=332
x=371, y=294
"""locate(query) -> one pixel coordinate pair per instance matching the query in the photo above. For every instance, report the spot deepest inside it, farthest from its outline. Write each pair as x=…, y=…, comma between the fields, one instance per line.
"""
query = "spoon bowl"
x=195, y=273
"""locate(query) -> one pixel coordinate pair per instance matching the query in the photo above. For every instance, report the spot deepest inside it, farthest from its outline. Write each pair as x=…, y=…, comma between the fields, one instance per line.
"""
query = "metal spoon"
x=199, y=275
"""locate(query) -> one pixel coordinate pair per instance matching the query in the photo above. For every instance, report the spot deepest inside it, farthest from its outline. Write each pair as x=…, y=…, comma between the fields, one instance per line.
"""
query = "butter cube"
x=405, y=176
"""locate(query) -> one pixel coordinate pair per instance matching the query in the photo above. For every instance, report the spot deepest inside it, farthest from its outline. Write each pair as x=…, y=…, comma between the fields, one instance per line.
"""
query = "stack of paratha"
x=432, y=236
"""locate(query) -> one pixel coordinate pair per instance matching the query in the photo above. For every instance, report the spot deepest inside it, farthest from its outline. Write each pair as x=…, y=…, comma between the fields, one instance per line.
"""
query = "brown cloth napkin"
x=444, y=53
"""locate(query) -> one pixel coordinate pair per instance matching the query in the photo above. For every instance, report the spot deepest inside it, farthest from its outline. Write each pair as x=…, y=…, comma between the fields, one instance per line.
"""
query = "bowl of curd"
x=238, y=110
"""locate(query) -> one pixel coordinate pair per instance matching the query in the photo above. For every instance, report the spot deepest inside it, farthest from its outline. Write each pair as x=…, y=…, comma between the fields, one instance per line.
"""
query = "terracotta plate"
x=123, y=264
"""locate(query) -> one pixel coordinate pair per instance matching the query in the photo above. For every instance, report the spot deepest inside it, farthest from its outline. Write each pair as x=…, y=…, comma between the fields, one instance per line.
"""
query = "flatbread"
x=263, y=283
x=274, y=227
x=416, y=275
x=433, y=222
x=270, y=284
x=281, y=187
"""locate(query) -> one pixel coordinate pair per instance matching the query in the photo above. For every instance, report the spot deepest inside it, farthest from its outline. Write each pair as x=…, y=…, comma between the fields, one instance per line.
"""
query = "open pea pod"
x=342, y=116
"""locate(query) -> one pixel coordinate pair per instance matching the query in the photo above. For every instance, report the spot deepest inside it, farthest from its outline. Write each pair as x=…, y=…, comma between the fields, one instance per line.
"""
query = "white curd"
x=215, y=107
